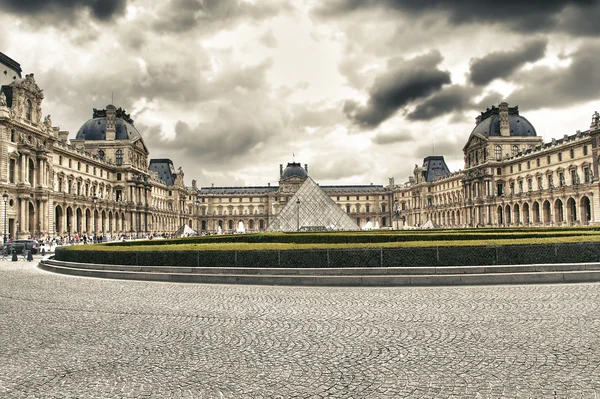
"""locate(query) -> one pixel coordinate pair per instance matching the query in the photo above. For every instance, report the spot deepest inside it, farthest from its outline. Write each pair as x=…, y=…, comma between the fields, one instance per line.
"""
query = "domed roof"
x=294, y=169
x=489, y=123
x=95, y=128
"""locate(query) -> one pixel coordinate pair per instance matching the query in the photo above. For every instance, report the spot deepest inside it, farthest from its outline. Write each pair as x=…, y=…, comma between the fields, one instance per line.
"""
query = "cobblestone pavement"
x=71, y=337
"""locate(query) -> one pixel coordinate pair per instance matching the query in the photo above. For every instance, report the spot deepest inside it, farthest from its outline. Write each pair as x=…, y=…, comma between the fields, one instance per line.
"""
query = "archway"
x=58, y=220
x=571, y=211
x=585, y=210
x=204, y=225
x=500, y=216
x=547, y=213
x=507, y=215
x=536, y=213
x=69, y=220
x=251, y=224
x=31, y=215
x=558, y=211
x=88, y=216
x=516, y=214
x=78, y=221
x=261, y=224
x=526, y=218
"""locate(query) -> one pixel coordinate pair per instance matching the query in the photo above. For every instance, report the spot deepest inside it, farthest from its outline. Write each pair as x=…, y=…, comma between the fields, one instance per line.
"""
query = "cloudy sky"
x=361, y=90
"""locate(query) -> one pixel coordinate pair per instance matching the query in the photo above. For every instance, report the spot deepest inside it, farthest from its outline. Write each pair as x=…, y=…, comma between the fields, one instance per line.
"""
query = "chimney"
x=111, y=120
x=504, y=125
x=306, y=168
x=280, y=170
x=63, y=135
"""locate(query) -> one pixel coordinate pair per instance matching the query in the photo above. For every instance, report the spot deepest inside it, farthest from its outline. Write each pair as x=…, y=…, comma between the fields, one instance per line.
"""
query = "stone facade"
x=510, y=180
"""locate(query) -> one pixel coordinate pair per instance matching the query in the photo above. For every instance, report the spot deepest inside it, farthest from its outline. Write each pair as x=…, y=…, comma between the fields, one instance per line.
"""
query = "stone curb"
x=433, y=276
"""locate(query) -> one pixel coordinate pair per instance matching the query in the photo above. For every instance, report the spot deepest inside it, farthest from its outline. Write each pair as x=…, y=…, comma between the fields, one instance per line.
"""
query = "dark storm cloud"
x=524, y=16
x=392, y=138
x=237, y=131
x=501, y=64
x=184, y=15
x=556, y=87
x=100, y=9
x=454, y=98
x=403, y=82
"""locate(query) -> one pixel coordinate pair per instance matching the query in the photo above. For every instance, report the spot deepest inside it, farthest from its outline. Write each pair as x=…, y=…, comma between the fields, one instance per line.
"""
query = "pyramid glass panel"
x=311, y=209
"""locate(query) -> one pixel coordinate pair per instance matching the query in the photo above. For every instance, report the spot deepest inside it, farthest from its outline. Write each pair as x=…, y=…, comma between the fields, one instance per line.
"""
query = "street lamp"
x=5, y=198
x=298, y=215
x=94, y=199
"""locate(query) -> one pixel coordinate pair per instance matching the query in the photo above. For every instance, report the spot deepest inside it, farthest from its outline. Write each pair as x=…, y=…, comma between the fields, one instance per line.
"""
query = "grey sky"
x=360, y=90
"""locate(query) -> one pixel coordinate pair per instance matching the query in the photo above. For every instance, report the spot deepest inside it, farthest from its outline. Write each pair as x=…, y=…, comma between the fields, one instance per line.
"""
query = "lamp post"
x=94, y=199
x=397, y=214
x=5, y=198
x=298, y=215
x=198, y=216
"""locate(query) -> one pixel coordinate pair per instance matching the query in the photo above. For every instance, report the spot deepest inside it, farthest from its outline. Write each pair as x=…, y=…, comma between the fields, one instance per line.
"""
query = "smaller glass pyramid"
x=311, y=209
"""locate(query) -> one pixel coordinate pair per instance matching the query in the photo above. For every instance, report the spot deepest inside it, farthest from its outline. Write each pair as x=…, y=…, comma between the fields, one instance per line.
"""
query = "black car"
x=24, y=245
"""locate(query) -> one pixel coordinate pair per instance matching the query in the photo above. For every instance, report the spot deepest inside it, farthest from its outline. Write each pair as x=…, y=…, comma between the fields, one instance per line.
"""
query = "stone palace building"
x=104, y=182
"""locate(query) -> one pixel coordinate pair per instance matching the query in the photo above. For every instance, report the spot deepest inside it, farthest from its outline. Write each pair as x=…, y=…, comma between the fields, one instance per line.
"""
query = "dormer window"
x=498, y=152
x=28, y=109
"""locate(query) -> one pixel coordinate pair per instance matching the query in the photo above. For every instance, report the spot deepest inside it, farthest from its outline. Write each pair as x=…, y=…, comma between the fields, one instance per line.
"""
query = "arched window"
x=28, y=109
x=498, y=153
x=119, y=157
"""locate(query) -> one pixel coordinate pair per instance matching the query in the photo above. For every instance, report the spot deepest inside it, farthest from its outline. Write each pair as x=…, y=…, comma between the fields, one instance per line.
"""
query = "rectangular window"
x=511, y=169
x=520, y=186
x=529, y=164
x=537, y=162
x=530, y=184
x=87, y=168
x=94, y=171
x=500, y=189
x=550, y=182
x=70, y=163
x=559, y=156
x=78, y=165
x=498, y=171
x=60, y=160
x=588, y=175
x=519, y=167
x=585, y=150
x=11, y=171
x=549, y=159
x=572, y=153
x=512, y=187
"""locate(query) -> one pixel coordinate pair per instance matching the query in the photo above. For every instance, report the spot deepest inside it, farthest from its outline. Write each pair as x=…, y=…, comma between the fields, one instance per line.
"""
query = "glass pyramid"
x=311, y=209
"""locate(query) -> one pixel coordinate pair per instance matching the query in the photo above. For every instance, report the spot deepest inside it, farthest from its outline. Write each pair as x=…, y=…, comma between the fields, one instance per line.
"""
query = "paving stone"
x=73, y=337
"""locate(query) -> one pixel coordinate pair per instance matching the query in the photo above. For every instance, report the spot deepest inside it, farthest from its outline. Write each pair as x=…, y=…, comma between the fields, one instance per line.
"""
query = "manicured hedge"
x=371, y=237
x=338, y=258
